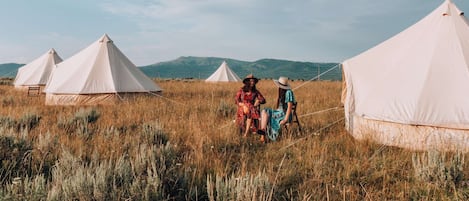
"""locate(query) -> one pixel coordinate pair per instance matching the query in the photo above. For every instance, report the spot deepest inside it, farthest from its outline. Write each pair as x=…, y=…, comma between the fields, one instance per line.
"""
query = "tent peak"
x=52, y=51
x=451, y=9
x=105, y=38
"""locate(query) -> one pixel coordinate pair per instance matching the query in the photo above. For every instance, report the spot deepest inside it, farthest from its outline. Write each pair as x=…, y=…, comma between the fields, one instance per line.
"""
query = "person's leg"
x=255, y=125
x=264, y=119
x=248, y=127
x=262, y=130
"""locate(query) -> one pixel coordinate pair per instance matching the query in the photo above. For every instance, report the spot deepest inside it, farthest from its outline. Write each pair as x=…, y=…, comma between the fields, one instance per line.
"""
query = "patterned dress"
x=276, y=116
x=248, y=98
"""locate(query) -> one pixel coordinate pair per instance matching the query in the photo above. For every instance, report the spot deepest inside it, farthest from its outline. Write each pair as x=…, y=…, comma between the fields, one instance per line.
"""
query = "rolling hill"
x=203, y=67
x=9, y=69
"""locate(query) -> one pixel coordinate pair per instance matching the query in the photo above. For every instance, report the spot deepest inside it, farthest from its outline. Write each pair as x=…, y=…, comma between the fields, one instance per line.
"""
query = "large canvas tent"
x=223, y=74
x=99, y=74
x=37, y=72
x=410, y=90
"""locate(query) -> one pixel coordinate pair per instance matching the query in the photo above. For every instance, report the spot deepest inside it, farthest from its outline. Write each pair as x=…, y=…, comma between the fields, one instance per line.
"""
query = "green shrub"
x=434, y=167
x=79, y=123
x=8, y=101
x=13, y=154
x=154, y=134
x=7, y=122
x=28, y=121
x=239, y=187
x=25, y=188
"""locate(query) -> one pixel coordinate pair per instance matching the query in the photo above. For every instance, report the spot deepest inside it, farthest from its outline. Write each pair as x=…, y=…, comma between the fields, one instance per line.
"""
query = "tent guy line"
x=158, y=95
x=321, y=111
x=313, y=133
x=316, y=77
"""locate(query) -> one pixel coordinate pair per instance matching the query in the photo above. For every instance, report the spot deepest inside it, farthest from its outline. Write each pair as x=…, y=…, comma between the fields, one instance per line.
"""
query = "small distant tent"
x=411, y=90
x=37, y=72
x=99, y=74
x=223, y=74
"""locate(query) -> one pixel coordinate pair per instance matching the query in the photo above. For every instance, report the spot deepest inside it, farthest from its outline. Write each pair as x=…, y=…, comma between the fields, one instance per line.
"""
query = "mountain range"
x=203, y=67
x=9, y=69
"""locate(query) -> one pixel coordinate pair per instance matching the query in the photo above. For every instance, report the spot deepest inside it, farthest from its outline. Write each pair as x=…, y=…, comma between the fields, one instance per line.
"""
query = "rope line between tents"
x=381, y=148
x=155, y=94
x=120, y=97
x=314, y=133
x=316, y=77
x=321, y=111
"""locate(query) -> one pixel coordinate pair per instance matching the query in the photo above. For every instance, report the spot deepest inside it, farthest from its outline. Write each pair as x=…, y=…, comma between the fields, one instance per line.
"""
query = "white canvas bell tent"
x=99, y=74
x=37, y=72
x=223, y=74
x=411, y=90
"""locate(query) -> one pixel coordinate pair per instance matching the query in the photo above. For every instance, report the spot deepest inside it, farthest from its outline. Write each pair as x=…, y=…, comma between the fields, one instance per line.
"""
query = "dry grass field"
x=185, y=146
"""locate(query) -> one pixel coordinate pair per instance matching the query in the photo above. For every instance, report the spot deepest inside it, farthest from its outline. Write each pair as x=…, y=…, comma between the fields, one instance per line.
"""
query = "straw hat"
x=248, y=77
x=282, y=82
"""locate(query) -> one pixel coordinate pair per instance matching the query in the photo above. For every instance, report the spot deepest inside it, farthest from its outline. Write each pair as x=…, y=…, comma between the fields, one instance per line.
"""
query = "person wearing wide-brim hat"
x=282, y=83
x=250, y=77
x=248, y=99
x=280, y=116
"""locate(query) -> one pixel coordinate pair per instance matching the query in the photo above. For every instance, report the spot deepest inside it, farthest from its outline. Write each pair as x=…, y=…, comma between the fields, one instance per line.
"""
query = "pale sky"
x=151, y=31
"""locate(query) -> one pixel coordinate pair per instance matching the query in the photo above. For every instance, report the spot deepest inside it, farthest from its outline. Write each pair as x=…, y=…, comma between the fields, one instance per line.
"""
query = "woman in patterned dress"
x=275, y=118
x=248, y=98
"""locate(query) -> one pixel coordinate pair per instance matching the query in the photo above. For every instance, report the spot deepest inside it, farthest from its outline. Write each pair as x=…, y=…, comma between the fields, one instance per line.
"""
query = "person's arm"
x=260, y=98
x=290, y=99
x=288, y=113
x=238, y=98
x=256, y=102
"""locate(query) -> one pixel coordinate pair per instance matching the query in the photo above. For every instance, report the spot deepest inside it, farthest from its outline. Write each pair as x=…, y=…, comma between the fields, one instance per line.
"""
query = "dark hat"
x=248, y=77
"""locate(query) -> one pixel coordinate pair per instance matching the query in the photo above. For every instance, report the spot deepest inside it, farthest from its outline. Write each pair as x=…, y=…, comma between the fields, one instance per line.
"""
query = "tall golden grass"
x=185, y=146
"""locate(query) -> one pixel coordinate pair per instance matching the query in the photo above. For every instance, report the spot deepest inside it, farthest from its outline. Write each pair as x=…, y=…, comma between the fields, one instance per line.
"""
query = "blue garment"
x=276, y=116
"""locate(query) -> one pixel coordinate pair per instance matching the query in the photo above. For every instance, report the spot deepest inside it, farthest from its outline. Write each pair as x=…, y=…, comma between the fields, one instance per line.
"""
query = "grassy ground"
x=185, y=146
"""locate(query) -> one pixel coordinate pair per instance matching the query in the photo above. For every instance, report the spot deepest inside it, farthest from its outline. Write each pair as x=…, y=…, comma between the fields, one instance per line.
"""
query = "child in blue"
x=275, y=118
